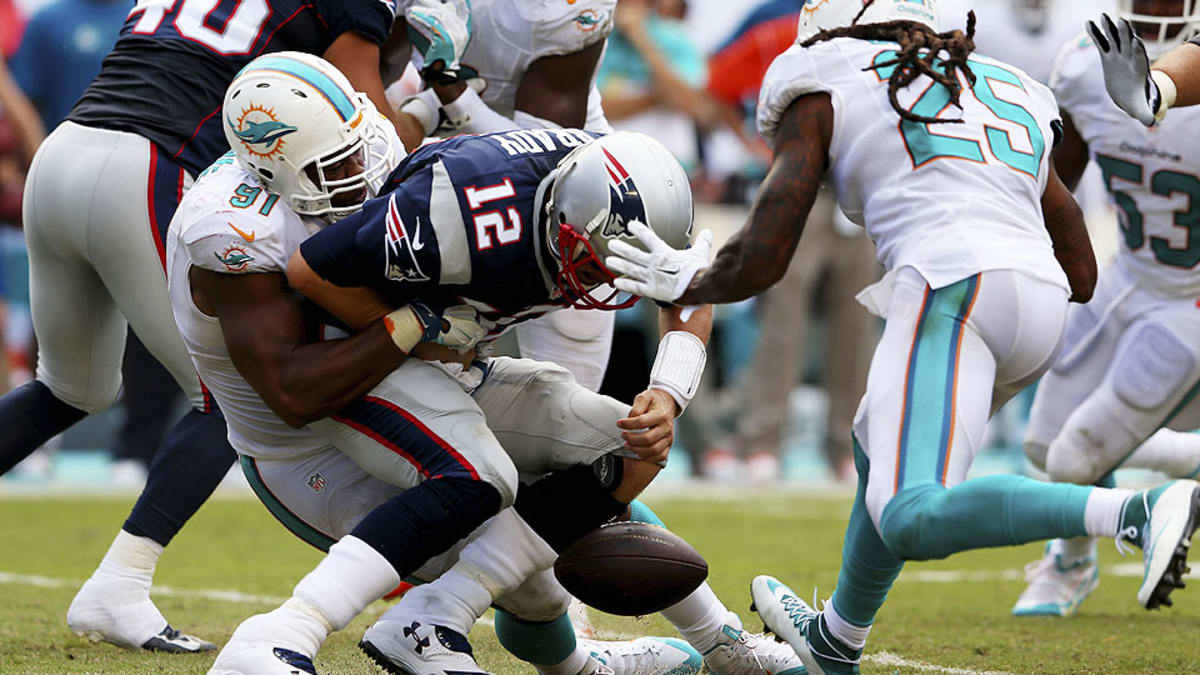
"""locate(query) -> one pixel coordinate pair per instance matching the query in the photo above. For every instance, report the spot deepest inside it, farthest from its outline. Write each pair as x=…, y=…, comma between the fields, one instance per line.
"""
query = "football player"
x=334, y=430
x=98, y=199
x=539, y=60
x=1130, y=364
x=984, y=247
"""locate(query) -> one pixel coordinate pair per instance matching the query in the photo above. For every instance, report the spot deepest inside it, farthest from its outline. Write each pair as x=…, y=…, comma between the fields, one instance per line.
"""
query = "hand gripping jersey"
x=459, y=221
x=166, y=76
x=228, y=224
x=1153, y=178
x=949, y=200
x=509, y=35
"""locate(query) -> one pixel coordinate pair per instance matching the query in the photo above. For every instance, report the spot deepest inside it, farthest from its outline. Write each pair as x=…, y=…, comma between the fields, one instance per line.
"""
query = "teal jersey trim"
x=291, y=521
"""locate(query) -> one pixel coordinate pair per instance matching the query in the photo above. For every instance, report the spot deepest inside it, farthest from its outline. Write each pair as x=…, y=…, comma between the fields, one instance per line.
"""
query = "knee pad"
x=1152, y=367
x=906, y=520
x=502, y=475
x=90, y=399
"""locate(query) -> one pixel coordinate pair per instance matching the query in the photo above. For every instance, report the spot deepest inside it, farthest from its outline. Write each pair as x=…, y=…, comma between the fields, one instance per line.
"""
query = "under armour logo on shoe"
x=411, y=631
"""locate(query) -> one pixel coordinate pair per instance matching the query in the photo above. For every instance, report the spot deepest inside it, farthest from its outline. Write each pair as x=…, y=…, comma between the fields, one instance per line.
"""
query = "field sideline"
x=947, y=616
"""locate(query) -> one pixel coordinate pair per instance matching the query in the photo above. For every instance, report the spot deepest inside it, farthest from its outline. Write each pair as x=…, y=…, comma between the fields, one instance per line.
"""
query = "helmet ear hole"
x=265, y=173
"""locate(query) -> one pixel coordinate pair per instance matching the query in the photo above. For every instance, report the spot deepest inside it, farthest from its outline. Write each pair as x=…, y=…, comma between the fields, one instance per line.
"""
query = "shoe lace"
x=745, y=649
x=1125, y=534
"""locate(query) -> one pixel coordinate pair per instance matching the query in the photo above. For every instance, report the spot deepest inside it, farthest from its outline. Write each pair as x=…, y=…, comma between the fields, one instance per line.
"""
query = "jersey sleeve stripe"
x=446, y=219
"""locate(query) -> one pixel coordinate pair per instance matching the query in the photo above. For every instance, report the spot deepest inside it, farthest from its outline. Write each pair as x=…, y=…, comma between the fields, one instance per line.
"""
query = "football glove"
x=440, y=30
x=456, y=327
x=660, y=272
x=1127, y=70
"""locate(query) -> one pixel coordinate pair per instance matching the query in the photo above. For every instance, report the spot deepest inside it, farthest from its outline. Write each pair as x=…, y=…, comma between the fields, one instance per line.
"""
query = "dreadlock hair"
x=919, y=49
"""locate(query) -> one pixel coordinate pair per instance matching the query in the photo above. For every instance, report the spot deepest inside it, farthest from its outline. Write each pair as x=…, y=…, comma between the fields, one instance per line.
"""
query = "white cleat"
x=646, y=656
x=280, y=642
x=1165, y=541
x=739, y=652
x=404, y=646
x=1057, y=587
x=119, y=610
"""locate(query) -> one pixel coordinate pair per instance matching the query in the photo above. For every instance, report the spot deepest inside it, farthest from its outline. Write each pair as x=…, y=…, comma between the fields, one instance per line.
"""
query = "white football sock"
x=1102, y=515
x=1073, y=549
x=854, y=637
x=351, y=577
x=699, y=618
x=1175, y=453
x=506, y=553
x=131, y=557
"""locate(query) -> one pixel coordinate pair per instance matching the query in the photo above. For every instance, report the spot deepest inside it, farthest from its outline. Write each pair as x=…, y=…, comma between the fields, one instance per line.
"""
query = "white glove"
x=1127, y=70
x=463, y=329
x=440, y=30
x=660, y=272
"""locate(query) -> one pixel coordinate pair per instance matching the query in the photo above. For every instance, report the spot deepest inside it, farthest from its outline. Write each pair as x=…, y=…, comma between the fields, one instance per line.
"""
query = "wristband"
x=678, y=366
x=424, y=107
x=1167, y=92
x=466, y=107
x=405, y=327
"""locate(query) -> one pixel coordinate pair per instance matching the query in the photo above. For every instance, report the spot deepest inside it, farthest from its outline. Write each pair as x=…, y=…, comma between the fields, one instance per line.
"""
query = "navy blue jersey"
x=458, y=221
x=166, y=77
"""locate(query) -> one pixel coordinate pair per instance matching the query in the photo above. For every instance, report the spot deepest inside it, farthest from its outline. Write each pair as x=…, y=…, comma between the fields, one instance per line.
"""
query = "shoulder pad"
x=563, y=27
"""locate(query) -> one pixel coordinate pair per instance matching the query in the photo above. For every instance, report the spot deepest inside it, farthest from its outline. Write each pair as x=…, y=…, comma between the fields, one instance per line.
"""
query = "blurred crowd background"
x=785, y=370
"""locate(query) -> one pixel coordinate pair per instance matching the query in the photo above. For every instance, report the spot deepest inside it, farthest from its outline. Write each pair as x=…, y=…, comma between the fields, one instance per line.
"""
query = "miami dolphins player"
x=984, y=247
x=1130, y=365
x=384, y=467
x=98, y=200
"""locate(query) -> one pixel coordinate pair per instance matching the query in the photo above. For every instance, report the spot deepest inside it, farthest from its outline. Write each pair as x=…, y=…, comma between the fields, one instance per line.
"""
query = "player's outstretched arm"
x=759, y=254
x=359, y=60
x=263, y=328
x=1182, y=65
x=1072, y=246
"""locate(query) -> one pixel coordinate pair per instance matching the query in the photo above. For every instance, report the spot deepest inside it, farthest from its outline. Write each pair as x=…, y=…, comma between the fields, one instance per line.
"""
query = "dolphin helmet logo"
x=260, y=131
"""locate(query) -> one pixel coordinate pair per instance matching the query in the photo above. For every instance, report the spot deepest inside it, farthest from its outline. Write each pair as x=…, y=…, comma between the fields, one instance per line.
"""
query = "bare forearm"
x=1182, y=64
x=699, y=321
x=320, y=378
x=1072, y=246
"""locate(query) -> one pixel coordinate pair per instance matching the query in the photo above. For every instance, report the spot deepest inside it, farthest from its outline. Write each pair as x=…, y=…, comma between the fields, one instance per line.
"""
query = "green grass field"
x=949, y=616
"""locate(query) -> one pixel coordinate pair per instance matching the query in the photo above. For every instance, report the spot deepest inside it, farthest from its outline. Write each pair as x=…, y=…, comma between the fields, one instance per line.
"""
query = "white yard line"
x=218, y=594
x=1135, y=570
x=895, y=661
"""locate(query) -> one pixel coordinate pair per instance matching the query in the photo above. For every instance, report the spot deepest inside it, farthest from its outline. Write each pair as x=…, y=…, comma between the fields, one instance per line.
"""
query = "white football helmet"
x=1162, y=24
x=819, y=15
x=295, y=121
x=595, y=191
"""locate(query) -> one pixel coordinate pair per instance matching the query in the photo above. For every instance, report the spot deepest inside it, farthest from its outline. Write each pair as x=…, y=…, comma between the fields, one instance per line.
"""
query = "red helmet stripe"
x=620, y=169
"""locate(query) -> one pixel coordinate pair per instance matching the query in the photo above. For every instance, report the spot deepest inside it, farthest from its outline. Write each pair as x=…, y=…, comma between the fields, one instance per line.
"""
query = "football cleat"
x=1165, y=540
x=280, y=642
x=739, y=652
x=119, y=610
x=1057, y=587
x=403, y=646
x=802, y=627
x=646, y=656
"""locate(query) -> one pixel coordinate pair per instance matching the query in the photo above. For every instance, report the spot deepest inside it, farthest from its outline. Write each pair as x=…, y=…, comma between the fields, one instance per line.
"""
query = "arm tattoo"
x=759, y=254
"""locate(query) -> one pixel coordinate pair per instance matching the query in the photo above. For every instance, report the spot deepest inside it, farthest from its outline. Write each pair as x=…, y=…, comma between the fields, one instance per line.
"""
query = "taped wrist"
x=1167, y=92
x=679, y=366
x=406, y=327
x=566, y=505
x=424, y=106
x=469, y=114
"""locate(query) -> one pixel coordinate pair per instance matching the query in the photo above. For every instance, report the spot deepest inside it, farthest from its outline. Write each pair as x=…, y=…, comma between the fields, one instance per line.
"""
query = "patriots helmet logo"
x=624, y=199
x=260, y=131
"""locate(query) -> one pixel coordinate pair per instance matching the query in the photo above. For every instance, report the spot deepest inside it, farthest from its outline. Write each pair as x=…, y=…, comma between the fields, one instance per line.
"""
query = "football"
x=630, y=569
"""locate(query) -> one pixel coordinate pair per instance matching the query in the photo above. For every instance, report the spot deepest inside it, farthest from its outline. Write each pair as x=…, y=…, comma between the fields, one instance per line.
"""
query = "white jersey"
x=509, y=35
x=1152, y=178
x=228, y=223
x=950, y=200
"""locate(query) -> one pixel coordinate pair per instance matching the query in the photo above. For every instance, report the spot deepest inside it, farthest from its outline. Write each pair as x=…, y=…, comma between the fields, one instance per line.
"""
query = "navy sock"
x=193, y=459
x=426, y=520
x=29, y=416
